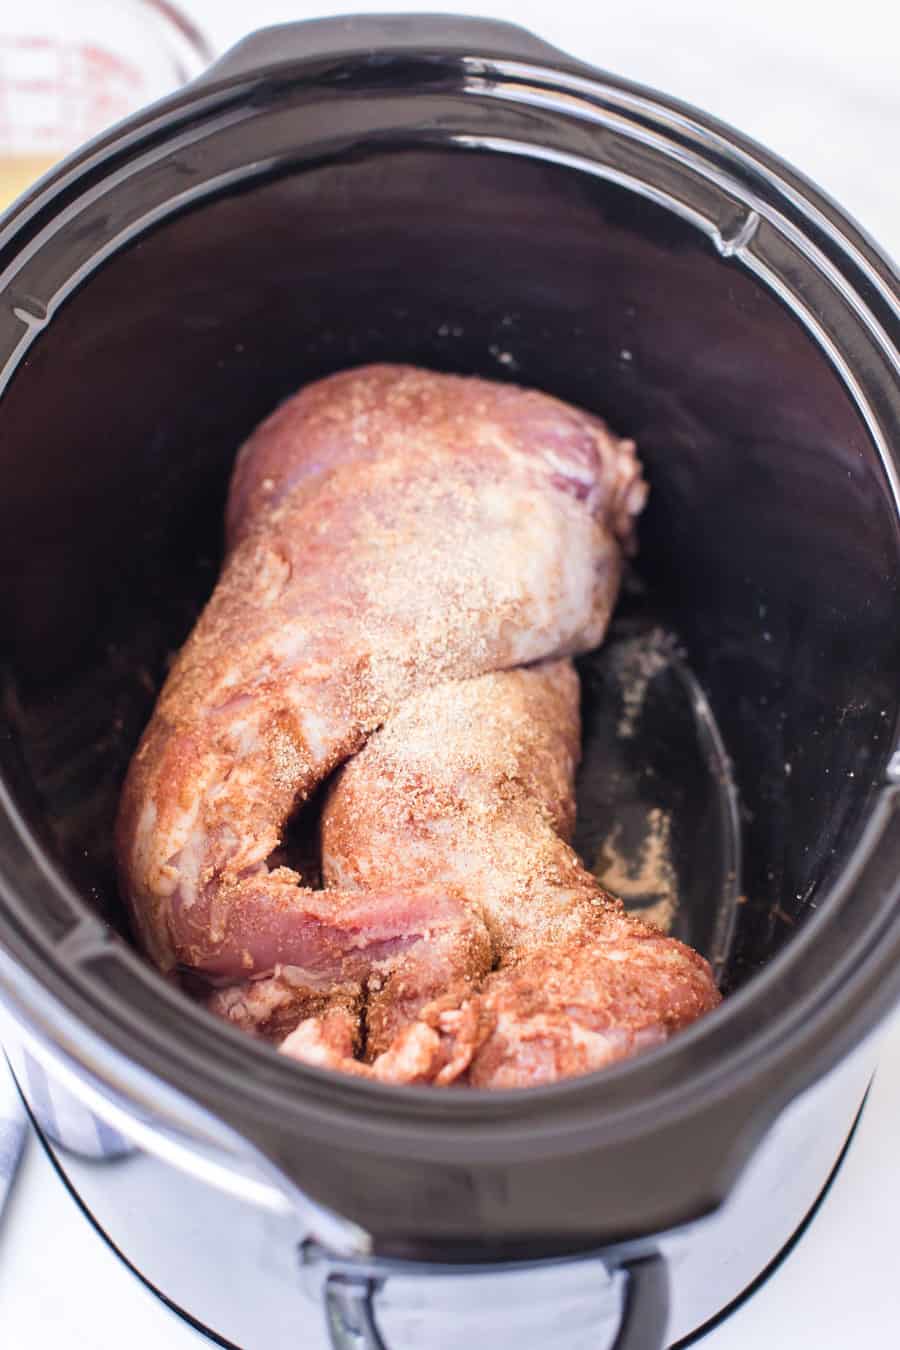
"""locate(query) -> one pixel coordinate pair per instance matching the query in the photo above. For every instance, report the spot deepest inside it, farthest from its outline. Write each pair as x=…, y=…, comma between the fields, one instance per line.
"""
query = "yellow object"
x=17, y=172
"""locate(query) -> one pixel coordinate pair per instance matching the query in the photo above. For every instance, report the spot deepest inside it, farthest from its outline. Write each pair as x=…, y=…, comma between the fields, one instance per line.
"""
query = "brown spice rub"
x=389, y=529
x=392, y=535
x=472, y=784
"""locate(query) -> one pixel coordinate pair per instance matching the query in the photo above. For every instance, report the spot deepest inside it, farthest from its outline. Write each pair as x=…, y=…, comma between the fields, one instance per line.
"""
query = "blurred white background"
x=818, y=83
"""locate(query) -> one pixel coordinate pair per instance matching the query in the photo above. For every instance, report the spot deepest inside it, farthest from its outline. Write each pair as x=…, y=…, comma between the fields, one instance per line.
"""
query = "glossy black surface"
x=654, y=781
x=361, y=207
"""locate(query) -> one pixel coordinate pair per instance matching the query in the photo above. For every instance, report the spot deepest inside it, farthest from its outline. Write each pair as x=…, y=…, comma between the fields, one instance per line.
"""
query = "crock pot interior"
x=769, y=544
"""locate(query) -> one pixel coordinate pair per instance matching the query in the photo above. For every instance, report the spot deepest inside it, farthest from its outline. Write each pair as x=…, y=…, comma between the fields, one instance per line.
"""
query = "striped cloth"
x=61, y=1117
x=13, y=1127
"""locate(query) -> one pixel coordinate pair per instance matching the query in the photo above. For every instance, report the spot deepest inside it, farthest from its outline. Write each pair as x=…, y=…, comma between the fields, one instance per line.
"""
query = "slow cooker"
x=456, y=194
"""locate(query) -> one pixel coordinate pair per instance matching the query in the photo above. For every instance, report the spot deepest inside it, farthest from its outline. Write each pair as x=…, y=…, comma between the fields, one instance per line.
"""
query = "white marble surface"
x=817, y=82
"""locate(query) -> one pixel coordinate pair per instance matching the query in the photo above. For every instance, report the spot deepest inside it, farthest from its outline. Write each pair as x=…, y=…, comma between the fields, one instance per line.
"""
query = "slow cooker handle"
x=395, y=33
x=349, y=1291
